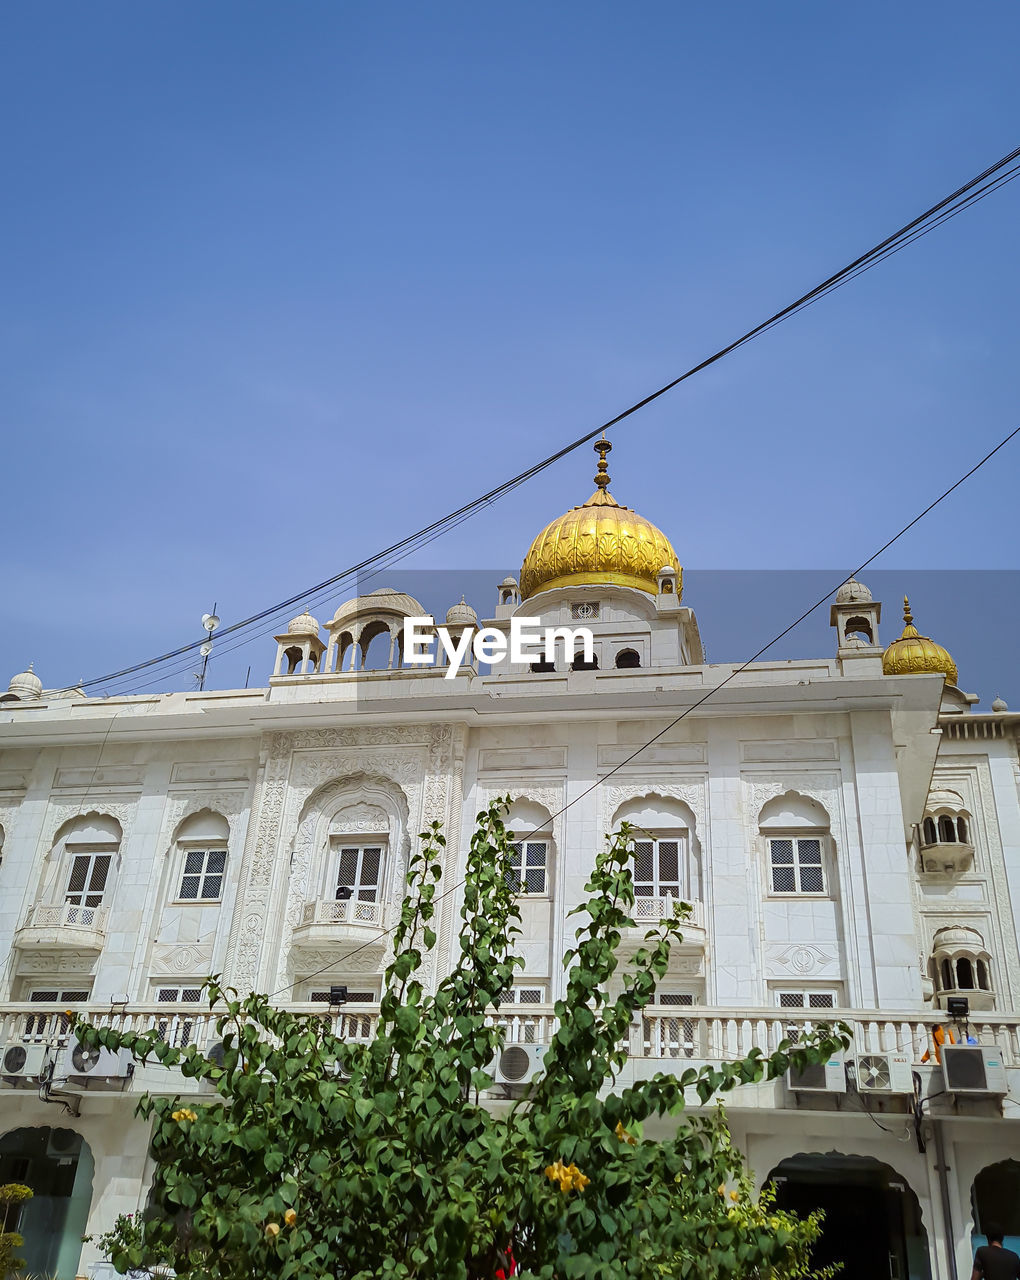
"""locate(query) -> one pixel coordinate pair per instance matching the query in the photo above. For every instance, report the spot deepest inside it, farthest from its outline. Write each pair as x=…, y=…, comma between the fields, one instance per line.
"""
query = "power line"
x=709, y=693
x=1002, y=171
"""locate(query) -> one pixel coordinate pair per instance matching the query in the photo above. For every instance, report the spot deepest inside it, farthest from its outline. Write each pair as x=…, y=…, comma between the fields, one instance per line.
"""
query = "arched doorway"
x=995, y=1199
x=58, y=1166
x=872, y=1218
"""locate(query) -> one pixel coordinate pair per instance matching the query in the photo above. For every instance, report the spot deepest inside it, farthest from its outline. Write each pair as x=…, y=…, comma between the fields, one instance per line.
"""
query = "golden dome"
x=914, y=654
x=600, y=542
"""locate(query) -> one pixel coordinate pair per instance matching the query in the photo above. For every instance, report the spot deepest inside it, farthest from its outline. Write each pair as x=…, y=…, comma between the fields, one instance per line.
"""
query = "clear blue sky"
x=282, y=283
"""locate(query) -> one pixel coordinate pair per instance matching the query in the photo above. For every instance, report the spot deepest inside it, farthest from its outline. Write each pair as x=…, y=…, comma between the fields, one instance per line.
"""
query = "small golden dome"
x=600, y=542
x=914, y=654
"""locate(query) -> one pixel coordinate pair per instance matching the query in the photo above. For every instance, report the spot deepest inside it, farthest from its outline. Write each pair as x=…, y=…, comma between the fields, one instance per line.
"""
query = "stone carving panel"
x=182, y=961
x=180, y=806
x=692, y=794
x=823, y=787
x=61, y=811
x=801, y=960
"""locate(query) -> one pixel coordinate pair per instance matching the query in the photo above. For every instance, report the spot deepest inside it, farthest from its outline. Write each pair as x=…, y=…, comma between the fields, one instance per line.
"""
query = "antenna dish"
x=206, y=649
x=210, y=622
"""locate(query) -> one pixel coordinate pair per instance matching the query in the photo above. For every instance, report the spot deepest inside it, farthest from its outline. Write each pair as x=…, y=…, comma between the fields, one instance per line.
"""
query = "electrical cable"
x=958, y=200
x=337, y=964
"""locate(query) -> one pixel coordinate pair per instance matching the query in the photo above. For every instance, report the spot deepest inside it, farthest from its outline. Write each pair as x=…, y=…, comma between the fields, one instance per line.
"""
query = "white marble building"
x=847, y=827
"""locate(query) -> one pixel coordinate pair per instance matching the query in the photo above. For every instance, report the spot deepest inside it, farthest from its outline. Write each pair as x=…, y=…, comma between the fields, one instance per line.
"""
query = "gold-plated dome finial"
x=915, y=654
x=602, y=447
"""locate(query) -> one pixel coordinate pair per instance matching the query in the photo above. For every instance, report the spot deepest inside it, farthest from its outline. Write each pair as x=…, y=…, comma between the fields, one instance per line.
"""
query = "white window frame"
x=92, y=853
x=360, y=843
x=177, y=1029
x=794, y=1030
x=671, y=1036
x=797, y=865
x=206, y=851
x=522, y=849
x=516, y=994
x=44, y=1026
x=681, y=838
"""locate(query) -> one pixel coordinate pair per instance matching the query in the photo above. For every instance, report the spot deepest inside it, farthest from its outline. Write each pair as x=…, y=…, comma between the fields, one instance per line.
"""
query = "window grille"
x=669, y=1035
x=202, y=878
x=177, y=1030
x=586, y=611
x=359, y=871
x=803, y=999
x=796, y=865
x=46, y=1026
x=528, y=865
x=657, y=868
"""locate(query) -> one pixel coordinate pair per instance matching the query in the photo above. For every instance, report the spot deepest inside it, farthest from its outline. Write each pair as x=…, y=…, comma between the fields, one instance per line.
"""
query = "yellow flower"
x=290, y=1217
x=273, y=1230
x=721, y=1188
x=734, y=1195
x=624, y=1136
x=569, y=1176
x=184, y=1113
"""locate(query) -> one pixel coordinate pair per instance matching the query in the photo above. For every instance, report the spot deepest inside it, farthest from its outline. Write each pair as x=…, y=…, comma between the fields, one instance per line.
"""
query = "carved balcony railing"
x=338, y=911
x=64, y=926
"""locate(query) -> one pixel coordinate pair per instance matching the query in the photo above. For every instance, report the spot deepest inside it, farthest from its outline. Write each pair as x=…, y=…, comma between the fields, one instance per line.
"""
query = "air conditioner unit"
x=22, y=1061
x=518, y=1063
x=973, y=1068
x=63, y=1144
x=78, y=1063
x=819, y=1077
x=884, y=1073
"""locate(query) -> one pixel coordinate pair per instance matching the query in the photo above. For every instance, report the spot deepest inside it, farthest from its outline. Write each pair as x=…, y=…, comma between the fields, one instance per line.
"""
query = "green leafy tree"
x=315, y=1157
x=12, y=1197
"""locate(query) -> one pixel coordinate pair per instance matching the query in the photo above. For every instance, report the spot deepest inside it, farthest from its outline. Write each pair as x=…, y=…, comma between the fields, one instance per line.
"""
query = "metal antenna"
x=210, y=622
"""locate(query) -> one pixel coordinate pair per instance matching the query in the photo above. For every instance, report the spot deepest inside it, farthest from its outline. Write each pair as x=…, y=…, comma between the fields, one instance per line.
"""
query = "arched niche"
x=995, y=1201
x=534, y=854
x=89, y=828
x=205, y=826
x=873, y=1222
x=359, y=805
x=793, y=811
x=660, y=818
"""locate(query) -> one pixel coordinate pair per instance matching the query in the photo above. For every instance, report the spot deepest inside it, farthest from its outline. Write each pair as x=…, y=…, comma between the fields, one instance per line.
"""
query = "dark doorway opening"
x=872, y=1218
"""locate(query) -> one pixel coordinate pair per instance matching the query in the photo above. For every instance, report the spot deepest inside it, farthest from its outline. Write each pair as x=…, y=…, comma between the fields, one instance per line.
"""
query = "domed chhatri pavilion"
x=845, y=826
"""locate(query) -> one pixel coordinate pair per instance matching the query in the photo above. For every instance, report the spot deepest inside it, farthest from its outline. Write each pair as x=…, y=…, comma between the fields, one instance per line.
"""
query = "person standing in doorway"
x=992, y=1261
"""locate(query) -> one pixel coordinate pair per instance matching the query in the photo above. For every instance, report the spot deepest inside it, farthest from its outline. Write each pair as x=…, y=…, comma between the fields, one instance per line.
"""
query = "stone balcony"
x=336, y=925
x=947, y=857
x=64, y=927
x=647, y=913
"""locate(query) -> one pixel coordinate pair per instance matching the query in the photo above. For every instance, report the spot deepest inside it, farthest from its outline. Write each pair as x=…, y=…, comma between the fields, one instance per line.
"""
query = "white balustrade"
x=341, y=911
x=67, y=915
x=651, y=910
x=679, y=1032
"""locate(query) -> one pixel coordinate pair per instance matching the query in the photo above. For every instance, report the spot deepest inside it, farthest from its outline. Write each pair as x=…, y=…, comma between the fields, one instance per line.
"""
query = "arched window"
x=796, y=833
x=947, y=830
x=579, y=663
x=628, y=658
x=961, y=827
x=666, y=862
x=201, y=850
x=964, y=974
x=947, y=976
x=962, y=964
x=982, y=975
x=86, y=851
x=530, y=871
x=930, y=831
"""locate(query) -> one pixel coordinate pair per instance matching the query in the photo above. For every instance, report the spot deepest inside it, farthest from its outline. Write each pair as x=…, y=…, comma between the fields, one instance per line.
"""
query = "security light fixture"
x=958, y=1007
x=337, y=997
